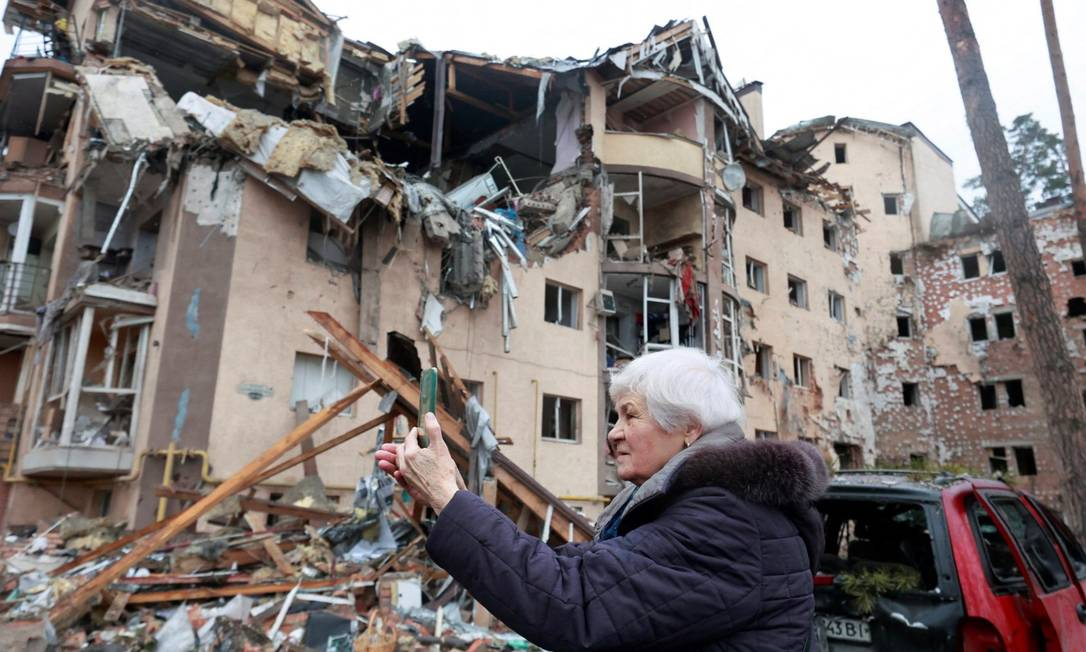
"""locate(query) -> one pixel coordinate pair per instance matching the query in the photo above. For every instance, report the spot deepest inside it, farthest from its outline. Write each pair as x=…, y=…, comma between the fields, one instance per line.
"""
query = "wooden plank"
x=509, y=476
x=75, y=604
x=317, y=450
x=501, y=67
x=494, y=109
x=271, y=547
x=256, y=505
x=230, y=591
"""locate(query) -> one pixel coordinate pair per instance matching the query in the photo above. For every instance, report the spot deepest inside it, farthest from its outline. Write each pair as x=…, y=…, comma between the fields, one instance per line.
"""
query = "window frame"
x=975, y=257
x=575, y=302
x=839, y=299
x=840, y=153
x=801, y=289
x=755, y=264
x=576, y=417
x=757, y=198
x=802, y=366
x=886, y=198
x=797, y=217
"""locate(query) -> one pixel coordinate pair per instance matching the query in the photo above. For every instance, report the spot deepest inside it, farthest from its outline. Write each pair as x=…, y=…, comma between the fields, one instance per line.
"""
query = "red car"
x=941, y=563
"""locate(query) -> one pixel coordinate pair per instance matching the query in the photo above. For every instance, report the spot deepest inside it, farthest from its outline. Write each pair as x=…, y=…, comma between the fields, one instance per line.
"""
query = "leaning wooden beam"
x=256, y=505
x=509, y=476
x=230, y=591
x=317, y=450
x=73, y=606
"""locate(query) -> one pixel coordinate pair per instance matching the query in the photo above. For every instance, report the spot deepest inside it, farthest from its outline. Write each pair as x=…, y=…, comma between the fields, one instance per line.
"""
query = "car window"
x=1071, y=547
x=864, y=534
x=1002, y=571
x=1032, y=540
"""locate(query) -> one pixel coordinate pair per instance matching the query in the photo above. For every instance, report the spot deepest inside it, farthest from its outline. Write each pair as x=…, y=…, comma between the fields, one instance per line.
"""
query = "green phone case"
x=427, y=401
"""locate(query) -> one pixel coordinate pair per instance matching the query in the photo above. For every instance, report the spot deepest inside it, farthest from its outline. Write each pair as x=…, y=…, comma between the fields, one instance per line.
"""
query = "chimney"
x=750, y=96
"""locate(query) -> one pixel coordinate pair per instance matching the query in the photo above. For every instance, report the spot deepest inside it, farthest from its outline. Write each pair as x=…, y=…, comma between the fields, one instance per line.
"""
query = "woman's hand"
x=429, y=474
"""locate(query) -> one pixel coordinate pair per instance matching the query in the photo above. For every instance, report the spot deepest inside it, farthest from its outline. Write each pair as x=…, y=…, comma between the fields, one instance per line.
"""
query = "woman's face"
x=638, y=444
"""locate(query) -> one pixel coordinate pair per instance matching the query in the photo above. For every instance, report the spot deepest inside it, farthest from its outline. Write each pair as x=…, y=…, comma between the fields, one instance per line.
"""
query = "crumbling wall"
x=959, y=430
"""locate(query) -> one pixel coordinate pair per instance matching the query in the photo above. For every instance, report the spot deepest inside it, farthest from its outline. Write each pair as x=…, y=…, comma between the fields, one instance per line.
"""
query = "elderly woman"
x=711, y=546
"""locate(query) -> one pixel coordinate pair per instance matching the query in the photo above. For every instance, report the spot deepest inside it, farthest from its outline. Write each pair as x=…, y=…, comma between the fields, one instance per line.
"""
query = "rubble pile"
x=318, y=580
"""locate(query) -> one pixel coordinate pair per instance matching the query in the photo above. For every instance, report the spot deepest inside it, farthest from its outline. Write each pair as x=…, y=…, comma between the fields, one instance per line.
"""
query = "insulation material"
x=247, y=127
x=306, y=144
x=214, y=196
x=132, y=111
x=335, y=191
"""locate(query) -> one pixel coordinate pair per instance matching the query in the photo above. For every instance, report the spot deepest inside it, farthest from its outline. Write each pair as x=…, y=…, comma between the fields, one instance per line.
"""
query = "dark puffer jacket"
x=714, y=552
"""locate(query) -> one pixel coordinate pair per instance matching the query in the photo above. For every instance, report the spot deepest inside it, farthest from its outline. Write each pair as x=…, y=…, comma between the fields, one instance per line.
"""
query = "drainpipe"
x=535, y=420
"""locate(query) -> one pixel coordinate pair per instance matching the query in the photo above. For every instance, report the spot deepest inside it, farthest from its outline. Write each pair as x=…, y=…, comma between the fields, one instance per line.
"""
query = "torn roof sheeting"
x=131, y=107
x=312, y=159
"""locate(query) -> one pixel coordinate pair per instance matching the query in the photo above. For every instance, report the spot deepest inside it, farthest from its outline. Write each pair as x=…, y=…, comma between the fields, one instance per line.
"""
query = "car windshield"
x=869, y=534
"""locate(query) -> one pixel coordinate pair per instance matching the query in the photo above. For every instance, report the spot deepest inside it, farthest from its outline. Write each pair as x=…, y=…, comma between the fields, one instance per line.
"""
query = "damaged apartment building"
x=175, y=210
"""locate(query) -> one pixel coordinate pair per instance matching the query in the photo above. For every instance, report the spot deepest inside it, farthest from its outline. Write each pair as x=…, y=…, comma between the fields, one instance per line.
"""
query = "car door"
x=1056, y=597
x=1072, y=550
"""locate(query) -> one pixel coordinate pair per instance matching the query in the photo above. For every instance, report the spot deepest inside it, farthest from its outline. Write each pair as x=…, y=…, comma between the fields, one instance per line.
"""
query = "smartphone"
x=427, y=401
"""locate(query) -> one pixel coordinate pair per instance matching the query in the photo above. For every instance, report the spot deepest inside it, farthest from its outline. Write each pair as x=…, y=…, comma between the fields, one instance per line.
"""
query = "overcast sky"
x=877, y=59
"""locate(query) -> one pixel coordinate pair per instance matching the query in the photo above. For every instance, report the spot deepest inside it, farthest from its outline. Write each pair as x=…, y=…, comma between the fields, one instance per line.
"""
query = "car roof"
x=907, y=484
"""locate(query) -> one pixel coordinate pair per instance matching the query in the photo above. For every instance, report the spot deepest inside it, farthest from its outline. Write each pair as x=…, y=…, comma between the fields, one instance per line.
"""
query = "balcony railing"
x=23, y=286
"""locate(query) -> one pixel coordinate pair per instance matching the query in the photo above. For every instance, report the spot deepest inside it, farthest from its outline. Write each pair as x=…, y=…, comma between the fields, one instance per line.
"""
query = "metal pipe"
x=137, y=168
x=167, y=474
x=535, y=422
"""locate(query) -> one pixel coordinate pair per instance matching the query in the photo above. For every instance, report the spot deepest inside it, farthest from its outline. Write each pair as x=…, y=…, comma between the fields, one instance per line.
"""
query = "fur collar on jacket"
x=785, y=475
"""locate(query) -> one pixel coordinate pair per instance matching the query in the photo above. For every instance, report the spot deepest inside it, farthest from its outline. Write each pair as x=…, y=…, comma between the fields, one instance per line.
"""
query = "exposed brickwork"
x=949, y=424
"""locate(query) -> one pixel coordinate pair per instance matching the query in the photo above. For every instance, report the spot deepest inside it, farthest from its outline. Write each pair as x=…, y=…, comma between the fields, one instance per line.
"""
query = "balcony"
x=23, y=287
x=87, y=407
x=662, y=155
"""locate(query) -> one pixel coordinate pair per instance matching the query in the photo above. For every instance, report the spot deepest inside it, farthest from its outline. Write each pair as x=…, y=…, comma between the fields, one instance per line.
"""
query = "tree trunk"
x=1067, y=118
x=1041, y=324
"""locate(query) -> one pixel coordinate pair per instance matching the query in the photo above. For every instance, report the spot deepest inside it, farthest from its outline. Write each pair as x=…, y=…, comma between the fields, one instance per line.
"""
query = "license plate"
x=845, y=629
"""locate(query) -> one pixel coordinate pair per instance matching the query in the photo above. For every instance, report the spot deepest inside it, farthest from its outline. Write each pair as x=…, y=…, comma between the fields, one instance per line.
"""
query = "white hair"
x=680, y=386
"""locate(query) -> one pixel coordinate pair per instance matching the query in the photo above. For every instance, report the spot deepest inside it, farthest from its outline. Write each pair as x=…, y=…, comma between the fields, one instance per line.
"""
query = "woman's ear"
x=692, y=433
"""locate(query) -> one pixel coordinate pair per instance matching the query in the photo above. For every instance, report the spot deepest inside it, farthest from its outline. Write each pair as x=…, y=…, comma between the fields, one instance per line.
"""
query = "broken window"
x=897, y=265
x=765, y=434
x=1078, y=267
x=840, y=153
x=793, y=219
x=849, y=456
x=757, y=276
x=988, y=398
x=1016, y=396
x=996, y=264
x=561, y=305
x=319, y=381
x=910, y=394
x=890, y=204
x=323, y=247
x=1024, y=460
x=837, y=306
x=1004, y=323
x=872, y=533
x=752, y=198
x=560, y=418
x=904, y=326
x=997, y=460
x=93, y=382
x=829, y=235
x=999, y=565
x=844, y=383
x=970, y=266
x=797, y=291
x=978, y=329
x=802, y=372
x=763, y=360
x=1076, y=307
